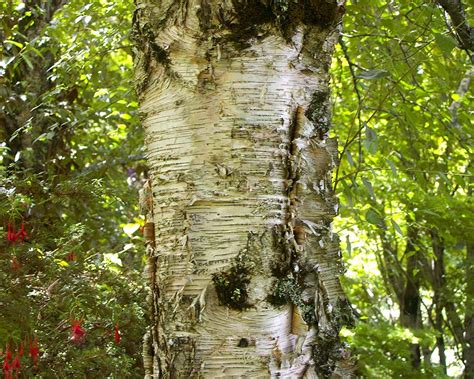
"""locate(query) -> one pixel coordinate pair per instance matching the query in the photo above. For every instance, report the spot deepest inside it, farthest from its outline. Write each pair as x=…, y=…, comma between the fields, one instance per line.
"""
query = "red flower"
x=34, y=351
x=21, y=349
x=16, y=364
x=21, y=233
x=6, y=368
x=117, y=336
x=11, y=235
x=6, y=365
x=71, y=257
x=77, y=334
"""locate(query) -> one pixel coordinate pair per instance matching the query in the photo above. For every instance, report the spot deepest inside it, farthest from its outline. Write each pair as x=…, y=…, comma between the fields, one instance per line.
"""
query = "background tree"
x=405, y=181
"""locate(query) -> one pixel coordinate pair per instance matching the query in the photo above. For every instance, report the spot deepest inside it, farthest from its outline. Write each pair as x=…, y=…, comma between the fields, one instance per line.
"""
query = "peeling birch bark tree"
x=243, y=265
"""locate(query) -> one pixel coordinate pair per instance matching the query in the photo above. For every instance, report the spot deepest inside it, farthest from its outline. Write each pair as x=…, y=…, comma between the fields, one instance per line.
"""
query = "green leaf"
x=410, y=254
x=445, y=43
x=44, y=137
x=350, y=159
x=392, y=167
x=369, y=187
x=371, y=141
x=456, y=96
x=27, y=60
x=61, y=263
x=396, y=227
x=373, y=74
x=36, y=51
x=431, y=213
x=370, y=133
x=374, y=218
x=11, y=42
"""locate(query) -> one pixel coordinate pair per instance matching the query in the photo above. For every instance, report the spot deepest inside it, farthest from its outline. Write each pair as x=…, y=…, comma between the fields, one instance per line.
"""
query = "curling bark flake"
x=244, y=268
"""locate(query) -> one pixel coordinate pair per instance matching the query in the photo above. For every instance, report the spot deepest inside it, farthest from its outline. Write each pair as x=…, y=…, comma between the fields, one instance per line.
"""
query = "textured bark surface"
x=243, y=263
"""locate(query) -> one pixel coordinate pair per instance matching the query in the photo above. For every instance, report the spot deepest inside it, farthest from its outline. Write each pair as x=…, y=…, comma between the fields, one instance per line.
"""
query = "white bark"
x=242, y=202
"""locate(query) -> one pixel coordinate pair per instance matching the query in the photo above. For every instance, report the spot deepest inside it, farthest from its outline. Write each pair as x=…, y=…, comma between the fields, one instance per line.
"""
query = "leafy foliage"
x=70, y=164
x=405, y=184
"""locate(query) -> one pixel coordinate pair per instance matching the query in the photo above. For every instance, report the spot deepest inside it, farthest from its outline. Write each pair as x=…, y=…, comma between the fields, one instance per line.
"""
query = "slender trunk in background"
x=243, y=263
x=439, y=281
x=410, y=315
x=468, y=346
x=468, y=352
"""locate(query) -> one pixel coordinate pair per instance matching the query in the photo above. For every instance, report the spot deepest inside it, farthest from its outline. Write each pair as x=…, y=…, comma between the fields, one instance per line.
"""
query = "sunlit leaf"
x=15, y=43
x=373, y=74
x=396, y=227
x=130, y=229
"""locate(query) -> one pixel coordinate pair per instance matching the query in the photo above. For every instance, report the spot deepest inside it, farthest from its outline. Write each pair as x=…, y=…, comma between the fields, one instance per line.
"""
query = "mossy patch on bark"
x=328, y=349
x=319, y=112
x=253, y=19
x=288, y=291
x=231, y=286
x=343, y=314
x=288, y=13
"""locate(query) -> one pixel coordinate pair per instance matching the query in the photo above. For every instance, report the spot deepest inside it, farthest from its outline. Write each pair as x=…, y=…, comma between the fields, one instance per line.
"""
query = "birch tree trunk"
x=243, y=264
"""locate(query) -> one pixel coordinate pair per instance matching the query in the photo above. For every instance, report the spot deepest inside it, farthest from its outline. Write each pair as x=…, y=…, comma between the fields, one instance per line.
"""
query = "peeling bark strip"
x=234, y=100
